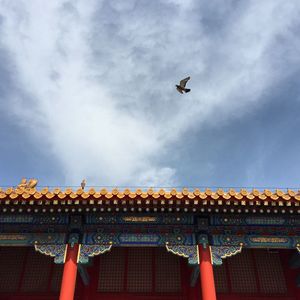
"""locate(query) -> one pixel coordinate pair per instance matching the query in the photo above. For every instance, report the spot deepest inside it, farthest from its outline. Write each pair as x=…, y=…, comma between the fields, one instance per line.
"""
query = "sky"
x=87, y=90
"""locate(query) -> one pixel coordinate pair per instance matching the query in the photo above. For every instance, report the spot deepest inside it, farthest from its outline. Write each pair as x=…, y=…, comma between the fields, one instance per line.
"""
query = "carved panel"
x=190, y=252
x=87, y=251
x=220, y=252
x=56, y=251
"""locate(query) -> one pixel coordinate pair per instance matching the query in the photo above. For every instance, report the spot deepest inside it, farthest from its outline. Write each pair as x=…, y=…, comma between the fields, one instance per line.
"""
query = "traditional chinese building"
x=148, y=244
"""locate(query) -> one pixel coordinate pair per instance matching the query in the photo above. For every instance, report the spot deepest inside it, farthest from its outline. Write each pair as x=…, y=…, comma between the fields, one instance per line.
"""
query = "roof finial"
x=28, y=184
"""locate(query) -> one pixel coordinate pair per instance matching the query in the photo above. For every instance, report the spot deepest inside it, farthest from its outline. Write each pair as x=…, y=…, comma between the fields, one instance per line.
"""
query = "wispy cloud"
x=96, y=79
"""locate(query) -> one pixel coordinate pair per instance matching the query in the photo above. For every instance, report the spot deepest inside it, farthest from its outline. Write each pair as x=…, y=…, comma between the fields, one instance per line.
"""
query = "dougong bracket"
x=220, y=252
x=190, y=252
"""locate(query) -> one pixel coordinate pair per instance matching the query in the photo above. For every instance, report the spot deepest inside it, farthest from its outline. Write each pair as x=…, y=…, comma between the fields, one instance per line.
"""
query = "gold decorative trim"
x=176, y=252
x=65, y=253
x=229, y=254
x=48, y=252
x=78, y=253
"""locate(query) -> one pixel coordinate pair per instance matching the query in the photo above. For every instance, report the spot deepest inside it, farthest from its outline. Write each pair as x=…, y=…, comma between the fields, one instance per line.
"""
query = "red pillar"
x=69, y=276
x=206, y=274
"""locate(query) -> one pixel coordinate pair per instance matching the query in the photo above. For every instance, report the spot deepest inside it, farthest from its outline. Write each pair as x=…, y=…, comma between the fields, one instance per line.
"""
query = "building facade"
x=149, y=244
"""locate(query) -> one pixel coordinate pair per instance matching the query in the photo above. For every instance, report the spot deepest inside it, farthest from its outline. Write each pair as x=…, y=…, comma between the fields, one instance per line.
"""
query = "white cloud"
x=101, y=77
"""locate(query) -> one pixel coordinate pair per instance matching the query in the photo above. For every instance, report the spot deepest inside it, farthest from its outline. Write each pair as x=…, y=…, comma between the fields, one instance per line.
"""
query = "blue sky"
x=87, y=90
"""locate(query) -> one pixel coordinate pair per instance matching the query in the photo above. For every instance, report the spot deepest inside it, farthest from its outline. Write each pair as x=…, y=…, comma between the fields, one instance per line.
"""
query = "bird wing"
x=184, y=81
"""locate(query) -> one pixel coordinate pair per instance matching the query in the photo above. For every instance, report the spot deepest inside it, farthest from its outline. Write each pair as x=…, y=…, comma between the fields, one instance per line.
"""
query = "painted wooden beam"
x=84, y=274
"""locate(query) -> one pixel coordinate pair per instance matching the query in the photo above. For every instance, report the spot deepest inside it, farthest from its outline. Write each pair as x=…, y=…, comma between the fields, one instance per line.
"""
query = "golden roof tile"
x=238, y=196
x=196, y=192
x=44, y=191
x=104, y=192
x=144, y=195
x=286, y=197
x=173, y=192
x=268, y=193
x=254, y=197
x=208, y=192
x=68, y=191
x=250, y=196
x=168, y=195
x=255, y=192
x=26, y=195
x=92, y=191
x=73, y=195
x=179, y=195
x=9, y=190
x=191, y=195
x=161, y=192
x=61, y=195
x=215, y=196
x=85, y=195
x=185, y=191
x=203, y=195
x=279, y=193
x=38, y=195
x=13, y=195
x=49, y=195
x=274, y=196
x=56, y=191
x=115, y=191
x=155, y=195
x=97, y=195
x=150, y=192
x=226, y=196
x=244, y=192
x=291, y=193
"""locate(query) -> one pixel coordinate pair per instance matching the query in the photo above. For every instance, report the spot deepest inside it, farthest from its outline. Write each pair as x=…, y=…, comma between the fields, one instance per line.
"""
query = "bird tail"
x=187, y=90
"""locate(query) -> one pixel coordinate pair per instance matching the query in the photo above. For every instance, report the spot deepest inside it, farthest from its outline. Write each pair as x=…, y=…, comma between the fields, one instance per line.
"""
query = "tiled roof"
x=242, y=195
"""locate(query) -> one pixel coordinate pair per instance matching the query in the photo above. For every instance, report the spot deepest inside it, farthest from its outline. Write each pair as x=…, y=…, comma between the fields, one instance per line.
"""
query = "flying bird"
x=83, y=184
x=181, y=87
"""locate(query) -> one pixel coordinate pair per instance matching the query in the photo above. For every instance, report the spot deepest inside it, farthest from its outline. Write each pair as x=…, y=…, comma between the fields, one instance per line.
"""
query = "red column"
x=69, y=276
x=206, y=274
